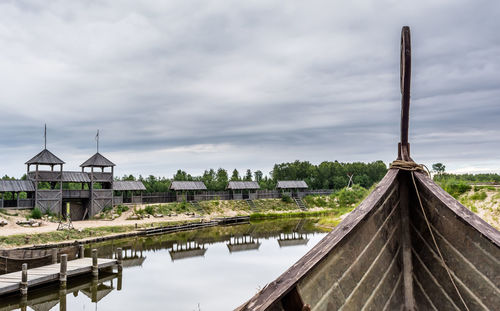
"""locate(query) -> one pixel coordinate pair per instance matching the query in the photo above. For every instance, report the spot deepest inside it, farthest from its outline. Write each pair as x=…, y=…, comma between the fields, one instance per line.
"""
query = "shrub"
x=348, y=196
x=478, y=196
x=181, y=207
x=309, y=199
x=149, y=209
x=121, y=208
x=36, y=213
x=320, y=202
x=456, y=187
x=286, y=198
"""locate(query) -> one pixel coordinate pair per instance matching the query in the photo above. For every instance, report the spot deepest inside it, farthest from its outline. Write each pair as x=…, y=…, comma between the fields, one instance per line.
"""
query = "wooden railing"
x=103, y=177
x=46, y=175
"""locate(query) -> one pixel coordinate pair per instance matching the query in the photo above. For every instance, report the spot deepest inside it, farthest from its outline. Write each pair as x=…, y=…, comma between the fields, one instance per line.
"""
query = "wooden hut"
x=242, y=190
x=189, y=190
x=101, y=182
x=47, y=183
x=130, y=191
x=15, y=188
x=293, y=188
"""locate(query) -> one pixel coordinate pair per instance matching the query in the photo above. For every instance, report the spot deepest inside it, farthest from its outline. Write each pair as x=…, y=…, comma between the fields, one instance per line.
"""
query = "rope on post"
x=409, y=166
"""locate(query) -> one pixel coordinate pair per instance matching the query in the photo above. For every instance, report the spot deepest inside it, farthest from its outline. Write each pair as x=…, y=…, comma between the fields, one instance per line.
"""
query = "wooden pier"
x=20, y=281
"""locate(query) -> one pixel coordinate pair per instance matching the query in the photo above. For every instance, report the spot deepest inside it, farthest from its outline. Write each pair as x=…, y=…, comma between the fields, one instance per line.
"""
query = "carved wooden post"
x=95, y=268
x=24, y=279
x=63, y=270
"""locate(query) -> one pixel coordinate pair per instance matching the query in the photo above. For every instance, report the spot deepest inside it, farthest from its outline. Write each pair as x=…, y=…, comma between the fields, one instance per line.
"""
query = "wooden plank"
x=340, y=271
x=461, y=212
x=406, y=241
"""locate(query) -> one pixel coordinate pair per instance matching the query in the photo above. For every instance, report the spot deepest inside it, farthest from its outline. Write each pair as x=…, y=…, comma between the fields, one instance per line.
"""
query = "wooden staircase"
x=252, y=205
x=300, y=203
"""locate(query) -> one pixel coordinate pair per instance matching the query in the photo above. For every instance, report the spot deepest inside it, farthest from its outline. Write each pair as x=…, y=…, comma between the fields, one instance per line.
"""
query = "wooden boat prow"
x=382, y=256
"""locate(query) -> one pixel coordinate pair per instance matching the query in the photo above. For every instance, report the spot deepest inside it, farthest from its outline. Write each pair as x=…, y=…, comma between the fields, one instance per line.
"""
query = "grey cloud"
x=257, y=82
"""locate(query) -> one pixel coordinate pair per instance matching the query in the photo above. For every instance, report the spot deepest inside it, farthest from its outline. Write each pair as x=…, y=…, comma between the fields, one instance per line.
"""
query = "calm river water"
x=216, y=268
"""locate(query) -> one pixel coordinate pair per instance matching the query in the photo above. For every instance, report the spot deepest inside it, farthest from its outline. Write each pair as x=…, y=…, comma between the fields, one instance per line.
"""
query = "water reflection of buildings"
x=187, y=250
x=246, y=237
x=46, y=299
x=292, y=239
x=132, y=257
x=242, y=243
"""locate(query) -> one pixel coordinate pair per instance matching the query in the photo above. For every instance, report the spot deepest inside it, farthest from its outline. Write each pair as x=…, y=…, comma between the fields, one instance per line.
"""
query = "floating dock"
x=20, y=281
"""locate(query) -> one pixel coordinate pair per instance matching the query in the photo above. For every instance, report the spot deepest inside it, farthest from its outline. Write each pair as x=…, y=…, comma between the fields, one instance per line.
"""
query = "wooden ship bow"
x=408, y=246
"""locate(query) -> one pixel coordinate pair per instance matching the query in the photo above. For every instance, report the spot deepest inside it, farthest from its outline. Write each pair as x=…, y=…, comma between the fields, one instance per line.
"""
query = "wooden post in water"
x=63, y=271
x=54, y=255
x=95, y=268
x=62, y=299
x=23, y=304
x=119, y=282
x=81, y=251
x=93, y=289
x=120, y=258
x=24, y=279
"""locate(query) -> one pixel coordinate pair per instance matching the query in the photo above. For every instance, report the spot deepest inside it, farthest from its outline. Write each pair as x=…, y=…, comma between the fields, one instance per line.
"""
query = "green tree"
x=235, y=175
x=438, y=168
x=248, y=175
x=258, y=175
x=221, y=179
x=209, y=179
x=182, y=176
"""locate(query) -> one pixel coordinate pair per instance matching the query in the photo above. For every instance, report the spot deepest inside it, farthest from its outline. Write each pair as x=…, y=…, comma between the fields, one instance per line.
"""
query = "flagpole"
x=97, y=139
x=45, y=137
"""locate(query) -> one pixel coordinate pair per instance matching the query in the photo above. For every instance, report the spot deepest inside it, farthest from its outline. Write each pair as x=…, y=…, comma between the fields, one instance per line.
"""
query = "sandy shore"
x=13, y=229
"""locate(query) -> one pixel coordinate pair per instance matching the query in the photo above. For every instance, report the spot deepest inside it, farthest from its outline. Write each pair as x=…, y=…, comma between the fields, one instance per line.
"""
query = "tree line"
x=326, y=175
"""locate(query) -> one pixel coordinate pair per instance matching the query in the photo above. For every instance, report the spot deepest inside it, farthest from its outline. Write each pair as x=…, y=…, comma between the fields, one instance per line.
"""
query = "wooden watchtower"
x=47, y=183
x=101, y=182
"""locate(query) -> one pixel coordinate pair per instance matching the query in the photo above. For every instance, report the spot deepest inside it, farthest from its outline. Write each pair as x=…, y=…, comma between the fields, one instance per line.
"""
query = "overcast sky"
x=208, y=84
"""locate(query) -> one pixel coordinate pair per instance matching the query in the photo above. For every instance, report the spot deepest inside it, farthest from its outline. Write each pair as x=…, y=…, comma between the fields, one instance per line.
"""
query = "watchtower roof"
x=97, y=160
x=45, y=157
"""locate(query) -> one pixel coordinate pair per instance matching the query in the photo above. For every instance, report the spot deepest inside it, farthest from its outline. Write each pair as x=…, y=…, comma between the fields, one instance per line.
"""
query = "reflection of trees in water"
x=49, y=297
x=193, y=243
